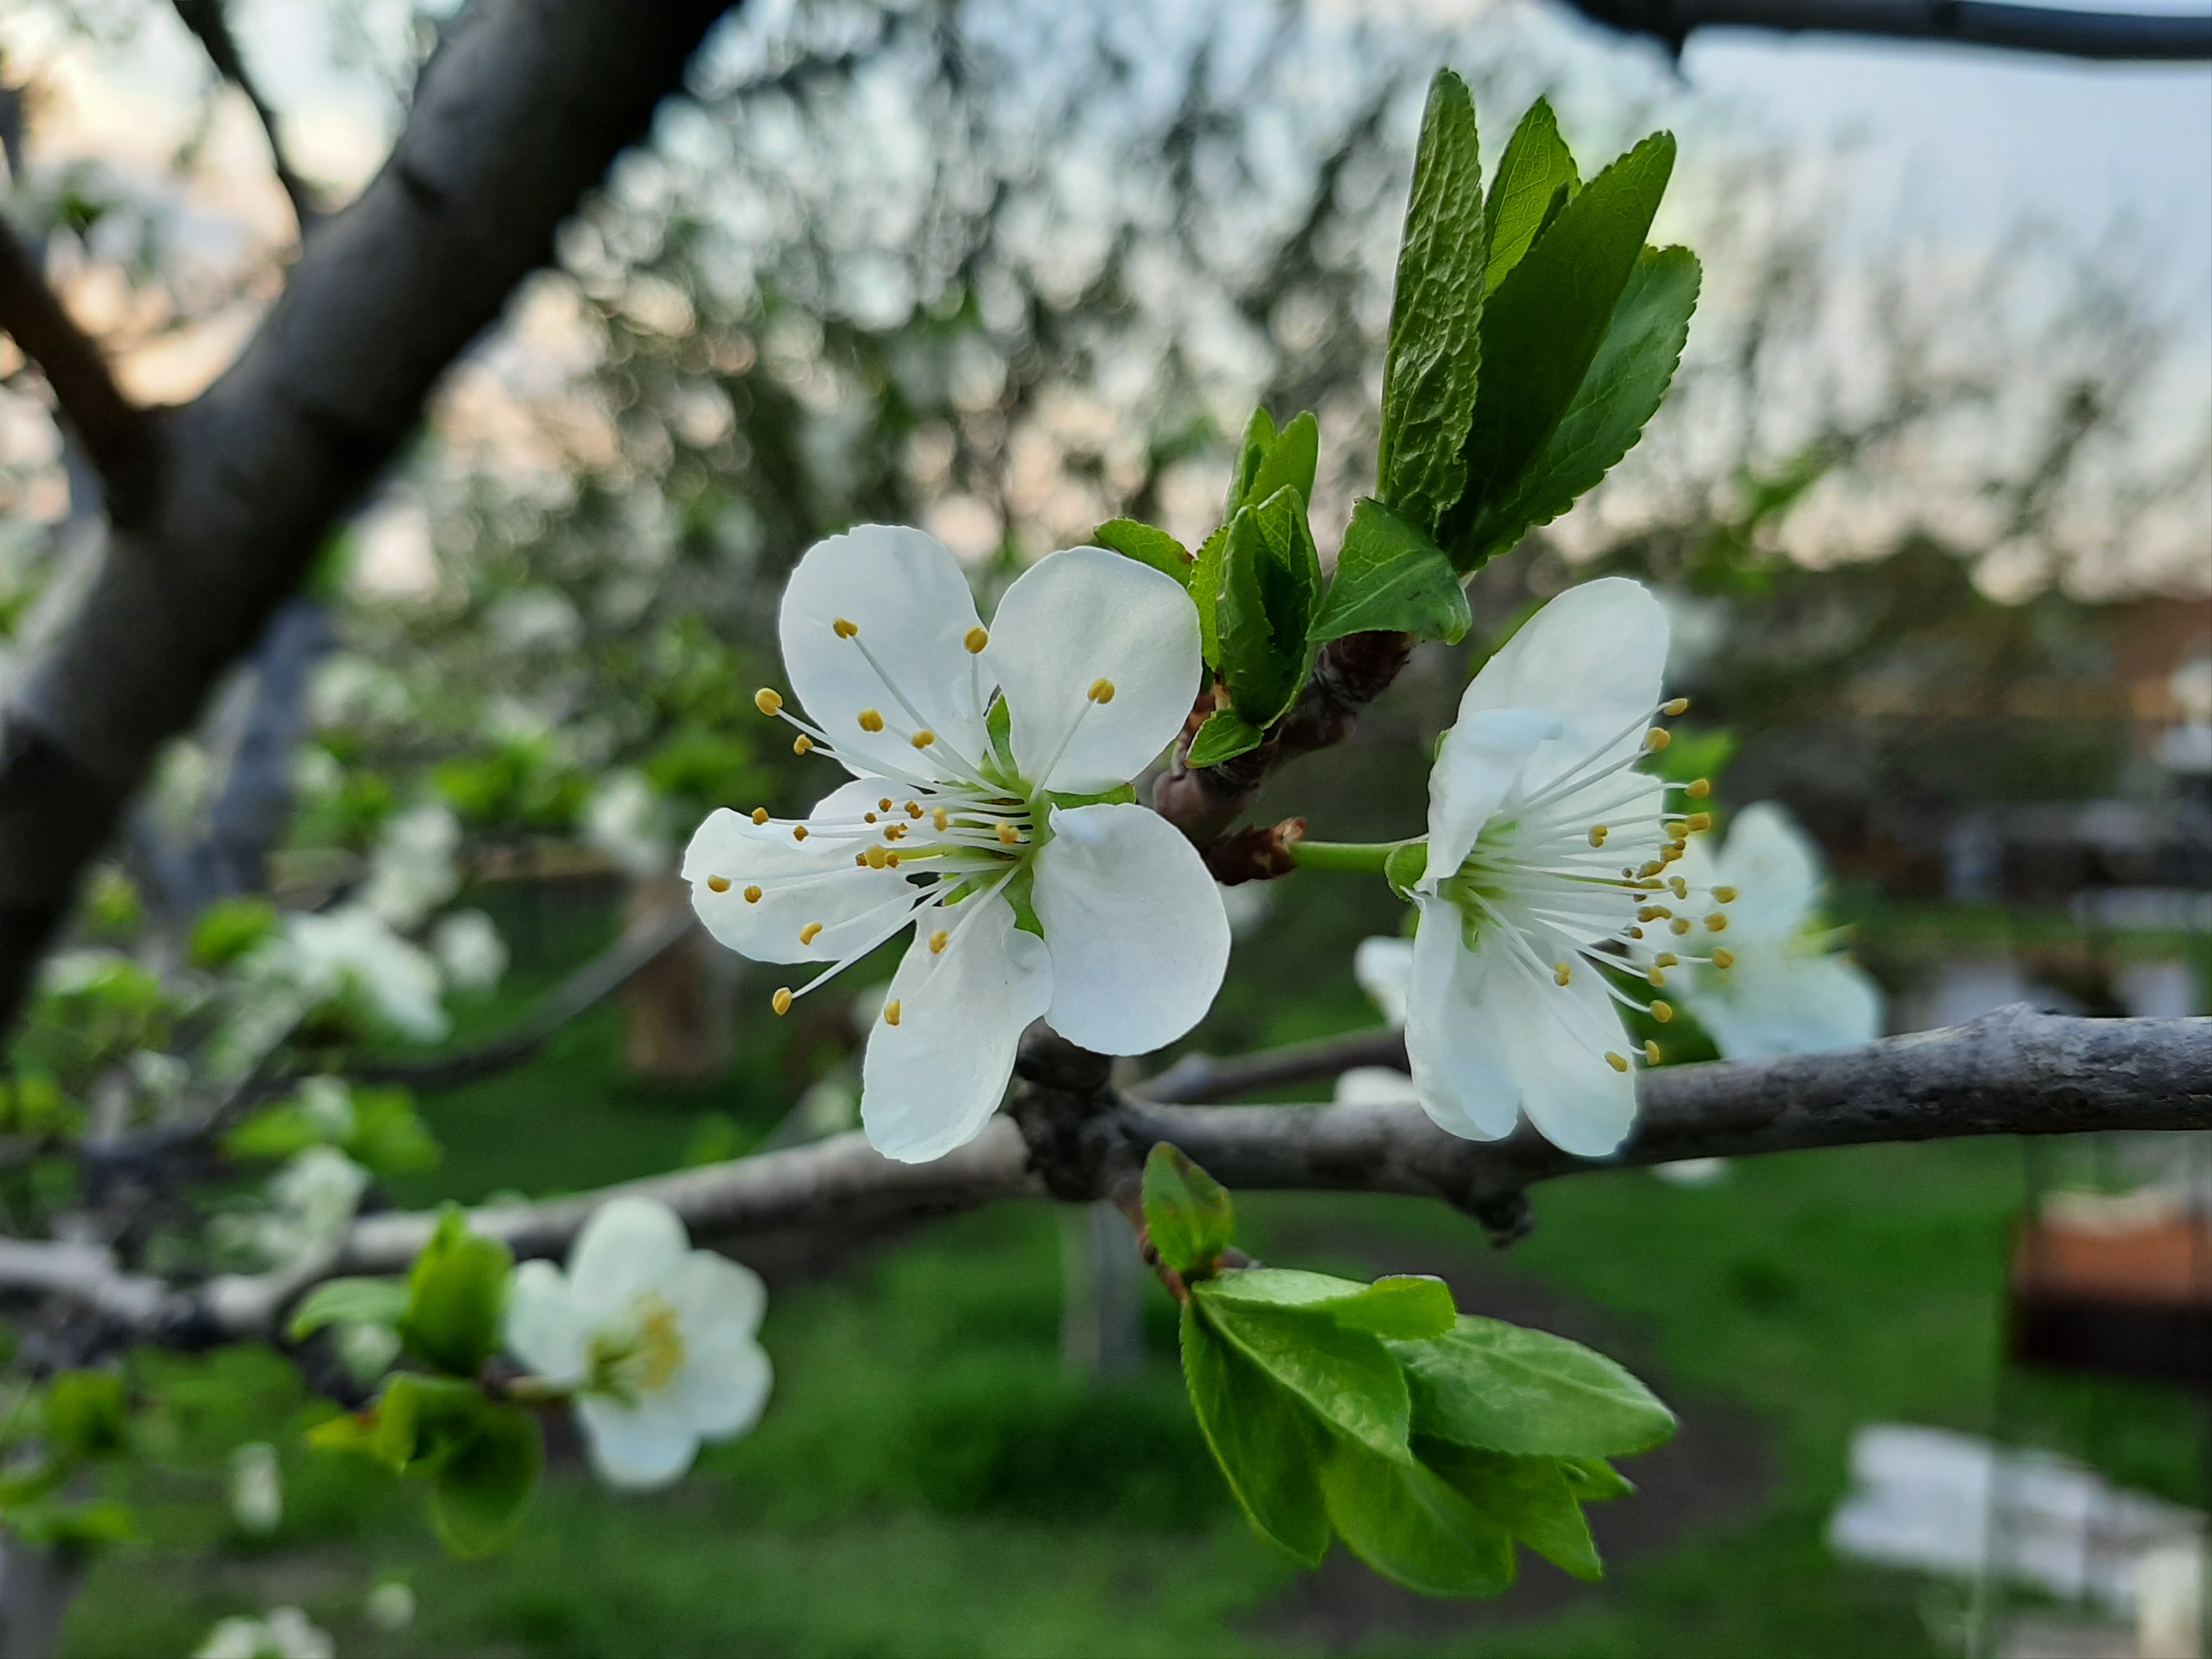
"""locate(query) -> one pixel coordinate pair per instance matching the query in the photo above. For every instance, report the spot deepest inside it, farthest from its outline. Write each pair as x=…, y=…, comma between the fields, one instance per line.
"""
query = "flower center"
x=638, y=1355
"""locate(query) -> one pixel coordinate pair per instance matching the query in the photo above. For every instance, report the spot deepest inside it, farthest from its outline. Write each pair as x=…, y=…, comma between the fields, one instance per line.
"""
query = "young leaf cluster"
x=66, y=1425
x=1430, y=1441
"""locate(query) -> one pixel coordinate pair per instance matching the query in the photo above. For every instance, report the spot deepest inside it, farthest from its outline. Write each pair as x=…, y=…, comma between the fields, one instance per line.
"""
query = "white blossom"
x=283, y=1633
x=257, y=1487
x=390, y=1606
x=469, y=948
x=656, y=1339
x=310, y=1201
x=1028, y=897
x=625, y=820
x=411, y=872
x=325, y=954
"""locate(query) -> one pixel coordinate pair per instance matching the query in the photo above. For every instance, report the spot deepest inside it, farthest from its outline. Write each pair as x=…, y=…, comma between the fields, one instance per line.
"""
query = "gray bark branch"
x=2105, y=35
x=210, y=23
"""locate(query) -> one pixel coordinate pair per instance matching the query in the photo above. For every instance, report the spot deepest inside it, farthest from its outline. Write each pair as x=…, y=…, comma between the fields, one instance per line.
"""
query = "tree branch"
x=2111, y=36
x=115, y=432
x=2016, y=1071
x=208, y=20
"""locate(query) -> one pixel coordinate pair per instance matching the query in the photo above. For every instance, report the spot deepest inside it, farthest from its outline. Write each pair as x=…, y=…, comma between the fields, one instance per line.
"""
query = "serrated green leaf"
x=1627, y=381
x=1593, y=1480
x=1407, y=1523
x=1206, y=591
x=1258, y=439
x=1345, y=1376
x=1188, y=1215
x=1542, y=328
x=1530, y=1496
x=1403, y=1306
x=1391, y=578
x=1435, y=355
x=1536, y=178
x=1134, y=540
x=1290, y=462
x=1270, y=590
x=1266, y=1445
x=351, y=1302
x=483, y=1488
x=1225, y=735
x=1501, y=1388
x=457, y=1293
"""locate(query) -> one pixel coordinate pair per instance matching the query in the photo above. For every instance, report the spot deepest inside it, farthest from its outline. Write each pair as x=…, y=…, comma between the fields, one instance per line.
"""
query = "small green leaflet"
x=1270, y=589
x=1501, y=1388
x=1542, y=328
x=1266, y=1442
x=1408, y=1524
x=457, y=1293
x=1535, y=179
x=1258, y=439
x=1345, y=1376
x=1188, y=1215
x=1290, y=462
x=481, y=1493
x=1140, y=542
x=1402, y=1305
x=351, y=1302
x=1391, y=578
x=1206, y=593
x=1531, y=1498
x=1627, y=382
x=1225, y=735
x=1435, y=354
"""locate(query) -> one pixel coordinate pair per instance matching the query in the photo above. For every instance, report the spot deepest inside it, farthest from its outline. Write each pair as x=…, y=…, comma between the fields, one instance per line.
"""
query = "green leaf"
x=81, y=1526
x=1188, y=1215
x=999, y=722
x=1290, y=462
x=1542, y=328
x=1535, y=179
x=1627, y=380
x=388, y=1135
x=1121, y=794
x=1225, y=735
x=1402, y=1305
x=1391, y=578
x=1345, y=1376
x=482, y=1488
x=1530, y=1496
x=1501, y=1388
x=1146, y=545
x=1408, y=1524
x=86, y=1416
x=351, y=1302
x=1270, y=589
x=457, y=1292
x=1435, y=354
x=1593, y=1480
x=417, y=1423
x=1206, y=593
x=1266, y=1442
x=1258, y=439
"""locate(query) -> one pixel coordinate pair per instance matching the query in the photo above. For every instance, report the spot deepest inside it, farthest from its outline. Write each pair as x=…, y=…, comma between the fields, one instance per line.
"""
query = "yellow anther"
x=977, y=640
x=937, y=941
x=891, y=862
x=1701, y=788
x=760, y=815
x=941, y=818
x=799, y=832
x=1681, y=888
x=1657, y=739
x=922, y=739
x=1654, y=912
x=871, y=720
x=1655, y=976
x=1718, y=922
x=1670, y=852
x=1561, y=973
x=891, y=1011
x=1652, y=885
x=1666, y=959
x=860, y=858
x=1650, y=1053
x=1101, y=691
x=1651, y=869
x=801, y=744
x=1678, y=833
x=1619, y=1063
x=809, y=933
x=883, y=806
x=1597, y=835
x=752, y=896
x=846, y=630
x=895, y=832
x=877, y=857
x=717, y=884
x=914, y=809
x=868, y=817
x=768, y=702
x=1723, y=959
x=1725, y=895
x=1636, y=933
x=1663, y=1011
x=1009, y=836
x=1679, y=926
x=1698, y=822
x=781, y=1001
x=1679, y=706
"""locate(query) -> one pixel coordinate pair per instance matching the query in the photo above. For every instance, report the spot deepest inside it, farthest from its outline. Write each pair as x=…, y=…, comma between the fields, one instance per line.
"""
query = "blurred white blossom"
x=390, y=1606
x=283, y=1633
x=310, y=1203
x=327, y=954
x=411, y=872
x=626, y=822
x=469, y=948
x=257, y=1487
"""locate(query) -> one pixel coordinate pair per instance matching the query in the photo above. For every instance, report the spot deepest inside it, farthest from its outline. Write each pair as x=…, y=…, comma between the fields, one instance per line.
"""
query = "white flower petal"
x=544, y=1329
x=1134, y=923
x=711, y=1292
x=1384, y=968
x=723, y=1385
x=1785, y=1001
x=1375, y=1085
x=857, y=907
x=1776, y=873
x=907, y=595
x=931, y=1082
x=1072, y=619
x=638, y=1447
x=1449, y=1036
x=1595, y=656
x=628, y=1246
x=1480, y=760
x=1554, y=1039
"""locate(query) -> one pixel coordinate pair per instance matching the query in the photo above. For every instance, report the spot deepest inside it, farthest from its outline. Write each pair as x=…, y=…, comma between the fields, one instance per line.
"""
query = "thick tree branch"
x=209, y=21
x=115, y=432
x=2110, y=35
x=520, y=111
x=2016, y=1071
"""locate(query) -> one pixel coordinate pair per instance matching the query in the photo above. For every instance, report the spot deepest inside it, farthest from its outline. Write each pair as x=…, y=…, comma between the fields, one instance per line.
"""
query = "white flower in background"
x=1776, y=989
x=655, y=1337
x=161, y=1075
x=1544, y=846
x=411, y=872
x=257, y=1487
x=470, y=950
x=967, y=836
x=285, y=1633
x=1384, y=968
x=390, y=1606
x=324, y=954
x=311, y=1200
x=625, y=820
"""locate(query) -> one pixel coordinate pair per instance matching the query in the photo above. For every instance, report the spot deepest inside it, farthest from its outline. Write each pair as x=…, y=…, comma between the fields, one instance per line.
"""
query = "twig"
x=1201, y=1079
x=208, y=20
x=2111, y=36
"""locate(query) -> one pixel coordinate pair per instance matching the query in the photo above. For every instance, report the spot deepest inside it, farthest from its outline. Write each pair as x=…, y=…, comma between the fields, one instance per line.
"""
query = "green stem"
x=1361, y=857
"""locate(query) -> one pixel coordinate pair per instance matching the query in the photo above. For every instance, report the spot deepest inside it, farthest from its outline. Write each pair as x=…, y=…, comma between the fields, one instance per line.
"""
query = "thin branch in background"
x=207, y=20
x=2113, y=36
x=115, y=432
